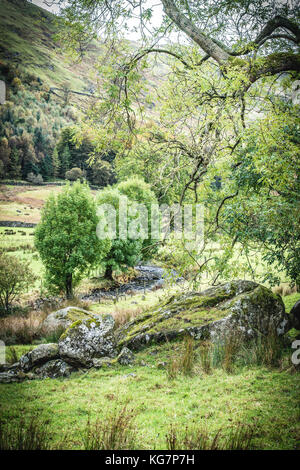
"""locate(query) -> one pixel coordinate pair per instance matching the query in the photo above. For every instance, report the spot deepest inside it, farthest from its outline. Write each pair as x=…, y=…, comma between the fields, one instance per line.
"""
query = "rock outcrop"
x=242, y=306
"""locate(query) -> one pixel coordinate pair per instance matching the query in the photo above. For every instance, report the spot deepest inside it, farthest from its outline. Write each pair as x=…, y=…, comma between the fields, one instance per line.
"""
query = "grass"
x=257, y=396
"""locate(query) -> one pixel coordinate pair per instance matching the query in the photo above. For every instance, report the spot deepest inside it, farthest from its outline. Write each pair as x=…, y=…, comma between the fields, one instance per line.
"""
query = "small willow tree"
x=66, y=237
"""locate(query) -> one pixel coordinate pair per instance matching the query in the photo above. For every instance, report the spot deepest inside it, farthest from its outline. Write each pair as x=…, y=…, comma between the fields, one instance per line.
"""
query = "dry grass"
x=21, y=330
x=198, y=438
x=124, y=315
x=284, y=289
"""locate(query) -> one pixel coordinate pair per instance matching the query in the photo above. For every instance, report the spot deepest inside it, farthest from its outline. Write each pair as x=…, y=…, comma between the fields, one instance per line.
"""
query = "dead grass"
x=21, y=330
x=124, y=315
x=284, y=289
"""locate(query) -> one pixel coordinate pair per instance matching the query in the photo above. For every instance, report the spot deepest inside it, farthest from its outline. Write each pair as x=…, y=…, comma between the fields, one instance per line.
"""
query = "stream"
x=149, y=278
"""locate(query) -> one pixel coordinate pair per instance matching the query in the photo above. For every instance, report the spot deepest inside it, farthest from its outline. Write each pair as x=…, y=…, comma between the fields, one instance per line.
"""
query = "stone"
x=13, y=376
x=86, y=339
x=236, y=306
x=99, y=363
x=161, y=365
x=126, y=357
x=62, y=319
x=295, y=316
x=41, y=354
x=53, y=369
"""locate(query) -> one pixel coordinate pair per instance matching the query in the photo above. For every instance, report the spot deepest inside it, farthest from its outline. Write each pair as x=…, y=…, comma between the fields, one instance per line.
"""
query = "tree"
x=65, y=161
x=123, y=253
x=103, y=173
x=74, y=174
x=55, y=162
x=66, y=237
x=137, y=190
x=15, y=277
x=237, y=65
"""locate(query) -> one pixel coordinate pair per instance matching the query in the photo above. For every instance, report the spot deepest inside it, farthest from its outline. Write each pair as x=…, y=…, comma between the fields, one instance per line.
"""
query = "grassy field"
x=264, y=398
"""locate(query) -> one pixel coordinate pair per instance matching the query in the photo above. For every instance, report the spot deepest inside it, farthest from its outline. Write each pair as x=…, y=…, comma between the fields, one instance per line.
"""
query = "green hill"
x=27, y=41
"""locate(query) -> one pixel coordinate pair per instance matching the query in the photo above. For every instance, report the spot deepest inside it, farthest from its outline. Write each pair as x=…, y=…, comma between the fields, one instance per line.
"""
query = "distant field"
x=24, y=205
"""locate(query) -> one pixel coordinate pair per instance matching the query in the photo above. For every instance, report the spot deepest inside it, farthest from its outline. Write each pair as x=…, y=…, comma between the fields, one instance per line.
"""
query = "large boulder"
x=295, y=316
x=62, y=319
x=88, y=339
x=41, y=354
x=242, y=306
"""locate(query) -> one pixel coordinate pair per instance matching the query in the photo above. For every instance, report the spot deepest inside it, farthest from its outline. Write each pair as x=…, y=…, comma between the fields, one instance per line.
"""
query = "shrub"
x=35, y=179
x=74, y=174
x=15, y=277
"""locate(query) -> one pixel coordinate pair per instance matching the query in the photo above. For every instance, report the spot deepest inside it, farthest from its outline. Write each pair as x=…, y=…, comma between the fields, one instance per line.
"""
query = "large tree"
x=231, y=79
x=66, y=237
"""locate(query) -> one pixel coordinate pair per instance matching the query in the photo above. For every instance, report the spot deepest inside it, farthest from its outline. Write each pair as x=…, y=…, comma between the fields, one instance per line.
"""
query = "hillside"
x=46, y=94
x=27, y=36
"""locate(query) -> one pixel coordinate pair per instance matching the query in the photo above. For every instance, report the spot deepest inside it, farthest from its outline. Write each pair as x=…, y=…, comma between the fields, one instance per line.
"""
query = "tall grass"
x=198, y=438
x=234, y=350
x=115, y=431
x=26, y=434
x=21, y=330
x=182, y=363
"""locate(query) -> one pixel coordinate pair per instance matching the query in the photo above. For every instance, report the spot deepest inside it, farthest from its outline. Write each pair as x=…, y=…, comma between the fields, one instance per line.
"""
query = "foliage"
x=137, y=190
x=66, y=237
x=74, y=174
x=124, y=252
x=15, y=277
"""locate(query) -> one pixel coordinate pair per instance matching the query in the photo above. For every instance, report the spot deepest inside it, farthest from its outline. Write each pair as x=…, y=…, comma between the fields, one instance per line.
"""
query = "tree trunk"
x=108, y=273
x=69, y=287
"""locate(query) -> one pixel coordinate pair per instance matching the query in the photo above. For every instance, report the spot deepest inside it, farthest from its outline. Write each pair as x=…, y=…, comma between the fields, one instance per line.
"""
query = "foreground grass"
x=265, y=398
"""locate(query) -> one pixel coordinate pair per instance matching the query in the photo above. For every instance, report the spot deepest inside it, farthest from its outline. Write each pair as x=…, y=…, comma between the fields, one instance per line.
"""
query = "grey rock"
x=99, y=363
x=53, y=369
x=237, y=306
x=13, y=376
x=62, y=319
x=85, y=340
x=125, y=357
x=41, y=354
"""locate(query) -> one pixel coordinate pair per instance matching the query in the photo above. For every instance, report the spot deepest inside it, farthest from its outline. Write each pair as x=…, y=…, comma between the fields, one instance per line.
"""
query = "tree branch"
x=187, y=26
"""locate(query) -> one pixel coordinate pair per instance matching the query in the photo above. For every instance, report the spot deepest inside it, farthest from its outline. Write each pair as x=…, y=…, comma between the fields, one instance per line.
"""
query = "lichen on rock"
x=88, y=339
x=62, y=319
x=237, y=305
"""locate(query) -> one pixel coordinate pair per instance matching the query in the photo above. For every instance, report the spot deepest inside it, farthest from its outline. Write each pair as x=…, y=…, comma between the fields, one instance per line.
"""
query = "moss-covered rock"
x=243, y=305
x=87, y=339
x=63, y=318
